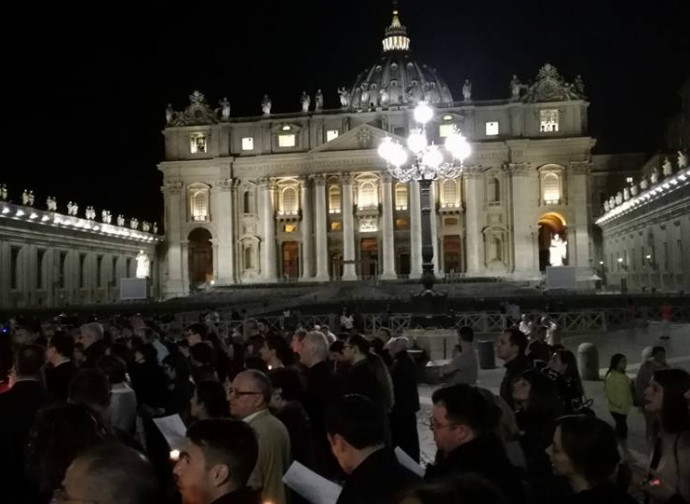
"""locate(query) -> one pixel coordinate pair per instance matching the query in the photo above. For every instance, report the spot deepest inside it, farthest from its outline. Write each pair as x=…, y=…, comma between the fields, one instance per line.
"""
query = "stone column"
x=321, y=230
x=224, y=249
x=433, y=216
x=268, y=220
x=415, y=231
x=578, y=234
x=525, y=189
x=306, y=228
x=349, y=272
x=388, y=272
x=184, y=253
x=175, y=219
x=474, y=196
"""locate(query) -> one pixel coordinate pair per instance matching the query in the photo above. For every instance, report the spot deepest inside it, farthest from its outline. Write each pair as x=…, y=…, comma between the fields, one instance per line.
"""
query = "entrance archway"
x=550, y=224
x=290, y=255
x=369, y=255
x=200, y=257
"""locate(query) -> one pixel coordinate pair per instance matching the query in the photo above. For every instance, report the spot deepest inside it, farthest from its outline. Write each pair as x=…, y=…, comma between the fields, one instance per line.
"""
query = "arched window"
x=334, y=199
x=198, y=203
x=551, y=188
x=400, y=196
x=367, y=195
x=494, y=190
x=289, y=202
x=450, y=193
x=248, y=202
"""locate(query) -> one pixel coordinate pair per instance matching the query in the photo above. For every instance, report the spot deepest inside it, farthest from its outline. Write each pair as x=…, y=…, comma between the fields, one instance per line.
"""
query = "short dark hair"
x=228, y=442
x=517, y=338
x=62, y=343
x=90, y=387
x=465, y=405
x=282, y=349
x=356, y=419
x=124, y=474
x=212, y=395
x=466, y=334
x=199, y=329
x=460, y=489
x=113, y=367
x=288, y=381
x=359, y=341
x=29, y=360
x=658, y=349
x=591, y=445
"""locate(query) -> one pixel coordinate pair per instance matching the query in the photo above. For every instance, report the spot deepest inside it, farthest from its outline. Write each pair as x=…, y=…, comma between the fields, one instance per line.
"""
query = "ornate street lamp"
x=425, y=162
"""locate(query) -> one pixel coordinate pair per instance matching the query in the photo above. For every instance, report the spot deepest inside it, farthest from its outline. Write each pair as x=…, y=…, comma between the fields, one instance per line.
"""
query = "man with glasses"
x=249, y=396
x=463, y=423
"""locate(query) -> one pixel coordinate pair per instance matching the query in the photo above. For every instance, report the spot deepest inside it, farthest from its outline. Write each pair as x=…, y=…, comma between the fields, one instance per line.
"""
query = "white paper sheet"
x=316, y=489
x=408, y=462
x=173, y=430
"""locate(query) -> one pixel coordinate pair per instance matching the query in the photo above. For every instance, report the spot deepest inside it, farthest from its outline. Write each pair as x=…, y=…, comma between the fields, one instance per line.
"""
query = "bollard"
x=485, y=349
x=646, y=354
x=588, y=362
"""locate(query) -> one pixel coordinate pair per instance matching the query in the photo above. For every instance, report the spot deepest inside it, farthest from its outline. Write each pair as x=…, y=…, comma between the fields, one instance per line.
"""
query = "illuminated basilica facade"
x=304, y=196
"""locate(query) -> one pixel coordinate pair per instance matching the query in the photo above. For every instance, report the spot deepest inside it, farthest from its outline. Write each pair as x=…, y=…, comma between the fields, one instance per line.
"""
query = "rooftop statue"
x=106, y=217
x=654, y=177
x=224, y=109
x=155, y=228
x=305, y=101
x=344, y=97
x=682, y=160
x=120, y=220
x=318, y=101
x=266, y=105
x=3, y=192
x=25, y=197
x=467, y=91
x=626, y=193
x=134, y=223
x=51, y=204
x=515, y=88
x=667, y=168
x=579, y=86
x=169, y=114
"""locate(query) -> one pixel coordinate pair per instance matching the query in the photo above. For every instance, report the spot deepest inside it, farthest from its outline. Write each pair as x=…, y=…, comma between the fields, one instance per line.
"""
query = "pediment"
x=362, y=137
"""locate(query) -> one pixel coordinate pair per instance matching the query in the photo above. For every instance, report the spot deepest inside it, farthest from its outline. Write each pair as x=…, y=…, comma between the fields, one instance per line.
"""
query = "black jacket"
x=240, y=496
x=404, y=376
x=486, y=456
x=94, y=353
x=377, y=480
x=58, y=378
x=18, y=409
x=361, y=379
x=514, y=369
x=606, y=494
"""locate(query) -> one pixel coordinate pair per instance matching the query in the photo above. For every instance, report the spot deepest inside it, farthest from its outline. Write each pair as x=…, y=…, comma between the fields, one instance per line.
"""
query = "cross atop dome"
x=396, y=38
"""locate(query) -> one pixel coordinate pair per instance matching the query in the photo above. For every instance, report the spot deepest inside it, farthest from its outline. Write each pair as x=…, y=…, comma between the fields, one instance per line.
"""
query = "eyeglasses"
x=232, y=391
x=436, y=426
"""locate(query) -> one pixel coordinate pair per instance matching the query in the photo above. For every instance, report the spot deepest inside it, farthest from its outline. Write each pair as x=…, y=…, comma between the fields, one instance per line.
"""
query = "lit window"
x=367, y=195
x=248, y=143
x=447, y=117
x=628, y=180
x=332, y=135
x=450, y=194
x=334, y=199
x=286, y=128
x=286, y=140
x=551, y=189
x=197, y=143
x=289, y=204
x=290, y=228
x=400, y=197
x=336, y=226
x=198, y=203
x=401, y=224
x=548, y=120
x=492, y=128
x=445, y=130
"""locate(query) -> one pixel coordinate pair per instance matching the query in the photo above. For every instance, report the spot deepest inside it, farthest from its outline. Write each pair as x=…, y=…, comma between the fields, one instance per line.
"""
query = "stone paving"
x=630, y=342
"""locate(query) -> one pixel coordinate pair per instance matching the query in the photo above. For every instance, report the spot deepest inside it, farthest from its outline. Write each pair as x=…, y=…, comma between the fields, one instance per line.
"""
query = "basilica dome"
x=396, y=79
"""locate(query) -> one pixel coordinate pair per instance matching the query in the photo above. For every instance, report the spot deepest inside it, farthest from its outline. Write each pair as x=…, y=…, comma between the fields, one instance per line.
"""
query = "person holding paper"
x=215, y=463
x=356, y=433
x=250, y=395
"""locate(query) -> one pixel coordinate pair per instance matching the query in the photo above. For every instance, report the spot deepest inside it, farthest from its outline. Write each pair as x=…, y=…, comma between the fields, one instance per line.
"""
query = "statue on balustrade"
x=51, y=203
x=667, y=168
x=344, y=95
x=106, y=218
x=72, y=208
x=121, y=220
x=169, y=114
x=619, y=197
x=305, y=101
x=606, y=206
x=224, y=109
x=515, y=88
x=682, y=160
x=318, y=101
x=654, y=177
x=557, y=251
x=467, y=91
x=626, y=194
x=266, y=105
x=145, y=226
x=3, y=192
x=134, y=223
x=25, y=197
x=634, y=189
x=155, y=228
x=143, y=265
x=644, y=184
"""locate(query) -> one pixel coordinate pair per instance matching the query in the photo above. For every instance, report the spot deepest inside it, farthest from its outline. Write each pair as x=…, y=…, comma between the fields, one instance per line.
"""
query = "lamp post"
x=425, y=162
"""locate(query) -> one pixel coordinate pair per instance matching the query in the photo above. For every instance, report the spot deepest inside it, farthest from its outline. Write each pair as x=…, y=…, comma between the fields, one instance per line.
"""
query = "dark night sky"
x=87, y=83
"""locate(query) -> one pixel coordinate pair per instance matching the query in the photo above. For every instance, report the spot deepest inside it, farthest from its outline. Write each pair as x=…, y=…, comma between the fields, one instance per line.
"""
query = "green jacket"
x=618, y=388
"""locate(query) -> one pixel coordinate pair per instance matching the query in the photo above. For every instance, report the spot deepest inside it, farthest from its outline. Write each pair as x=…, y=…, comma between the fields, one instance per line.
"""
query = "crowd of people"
x=78, y=404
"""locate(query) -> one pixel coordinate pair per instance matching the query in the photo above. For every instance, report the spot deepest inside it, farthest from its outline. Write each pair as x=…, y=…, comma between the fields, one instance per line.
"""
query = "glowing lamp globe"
x=458, y=146
x=416, y=141
x=432, y=157
x=423, y=113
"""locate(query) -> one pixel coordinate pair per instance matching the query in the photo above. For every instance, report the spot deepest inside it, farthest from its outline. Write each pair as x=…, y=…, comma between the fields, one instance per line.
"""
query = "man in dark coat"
x=91, y=336
x=406, y=406
x=61, y=369
x=321, y=388
x=510, y=348
x=463, y=424
x=356, y=434
x=18, y=408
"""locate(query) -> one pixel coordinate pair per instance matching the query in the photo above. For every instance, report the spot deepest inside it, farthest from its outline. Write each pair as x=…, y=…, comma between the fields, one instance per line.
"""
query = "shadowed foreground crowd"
x=78, y=404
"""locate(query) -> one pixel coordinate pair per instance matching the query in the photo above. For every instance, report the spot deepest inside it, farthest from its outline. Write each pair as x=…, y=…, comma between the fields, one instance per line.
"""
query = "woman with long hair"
x=562, y=368
x=585, y=452
x=619, y=394
x=669, y=470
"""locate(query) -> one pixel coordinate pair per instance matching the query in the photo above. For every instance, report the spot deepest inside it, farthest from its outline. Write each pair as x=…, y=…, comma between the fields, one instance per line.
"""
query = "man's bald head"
x=111, y=474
